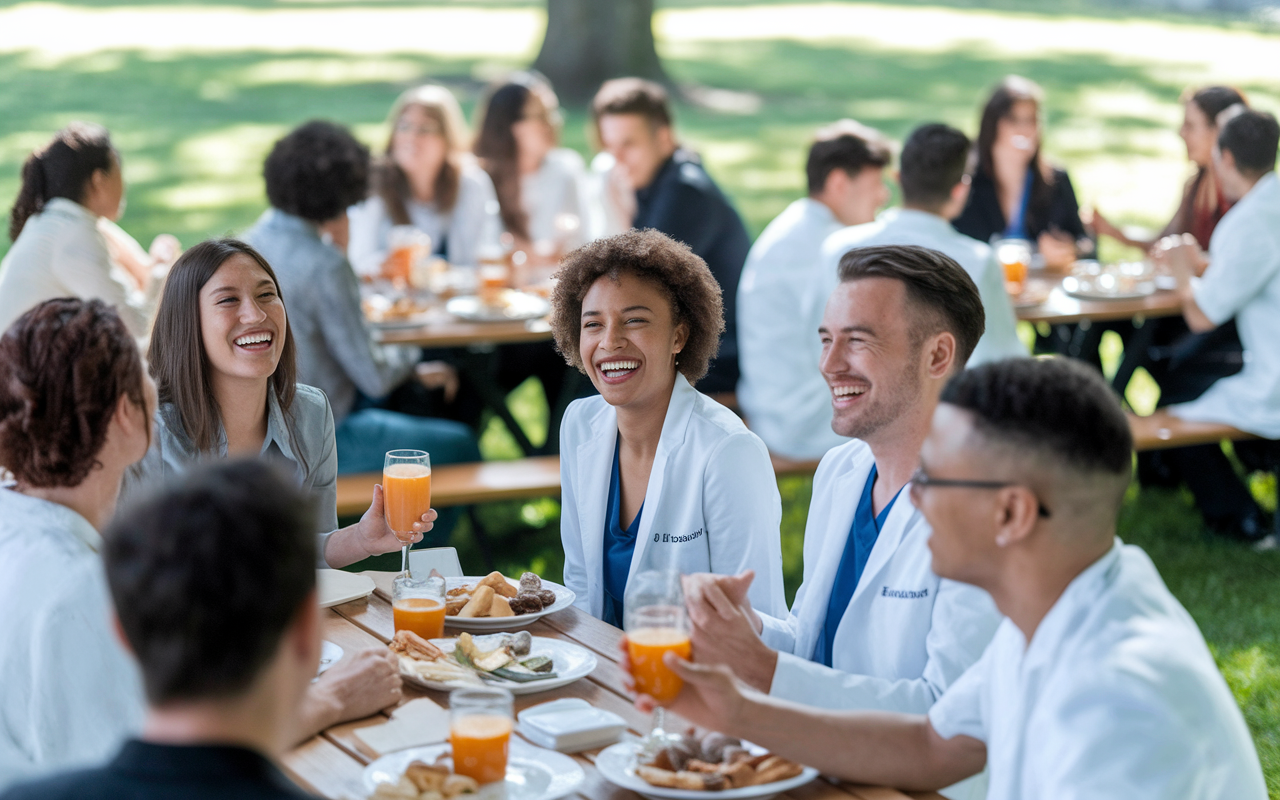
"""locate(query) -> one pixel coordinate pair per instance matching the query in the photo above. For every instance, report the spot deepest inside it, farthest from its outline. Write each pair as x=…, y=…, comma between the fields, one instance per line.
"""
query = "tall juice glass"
x=480, y=732
x=406, y=494
x=655, y=621
x=417, y=604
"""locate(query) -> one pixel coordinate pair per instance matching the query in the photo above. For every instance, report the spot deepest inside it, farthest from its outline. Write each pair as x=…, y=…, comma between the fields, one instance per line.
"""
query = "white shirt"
x=1116, y=696
x=555, y=189
x=711, y=504
x=69, y=695
x=906, y=634
x=1243, y=280
x=61, y=252
x=782, y=391
x=462, y=228
x=908, y=226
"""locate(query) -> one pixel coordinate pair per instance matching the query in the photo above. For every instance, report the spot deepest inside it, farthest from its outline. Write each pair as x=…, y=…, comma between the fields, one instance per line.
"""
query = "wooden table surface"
x=331, y=764
x=1061, y=307
x=452, y=332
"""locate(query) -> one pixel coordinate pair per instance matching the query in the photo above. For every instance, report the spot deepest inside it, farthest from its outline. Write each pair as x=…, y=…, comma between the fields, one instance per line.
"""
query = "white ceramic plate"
x=519, y=306
x=532, y=773
x=336, y=587
x=572, y=662
x=617, y=763
x=564, y=599
x=1089, y=289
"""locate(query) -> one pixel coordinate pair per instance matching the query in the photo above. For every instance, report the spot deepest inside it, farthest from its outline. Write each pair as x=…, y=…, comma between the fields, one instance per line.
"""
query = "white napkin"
x=414, y=724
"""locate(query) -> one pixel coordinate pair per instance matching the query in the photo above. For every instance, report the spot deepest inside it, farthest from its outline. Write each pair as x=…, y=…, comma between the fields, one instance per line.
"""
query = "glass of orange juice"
x=480, y=732
x=1014, y=256
x=655, y=621
x=417, y=604
x=406, y=494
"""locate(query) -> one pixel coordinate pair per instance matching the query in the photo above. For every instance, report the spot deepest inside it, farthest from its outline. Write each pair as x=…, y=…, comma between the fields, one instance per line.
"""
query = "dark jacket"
x=1054, y=209
x=142, y=770
x=683, y=202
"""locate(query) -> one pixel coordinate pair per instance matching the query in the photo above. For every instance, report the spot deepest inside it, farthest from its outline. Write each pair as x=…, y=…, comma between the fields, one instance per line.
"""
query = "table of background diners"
x=332, y=763
x=1061, y=308
x=476, y=344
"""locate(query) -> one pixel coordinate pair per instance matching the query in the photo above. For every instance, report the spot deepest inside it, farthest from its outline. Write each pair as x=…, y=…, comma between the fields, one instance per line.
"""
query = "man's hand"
x=1181, y=255
x=439, y=375
x=712, y=697
x=620, y=193
x=360, y=685
x=726, y=629
x=376, y=537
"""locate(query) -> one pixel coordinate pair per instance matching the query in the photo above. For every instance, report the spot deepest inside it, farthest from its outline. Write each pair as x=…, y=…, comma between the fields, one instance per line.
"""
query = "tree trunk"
x=591, y=41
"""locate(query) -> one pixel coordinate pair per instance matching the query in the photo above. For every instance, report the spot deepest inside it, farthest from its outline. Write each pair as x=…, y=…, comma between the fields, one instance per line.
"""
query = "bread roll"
x=478, y=605
x=500, y=607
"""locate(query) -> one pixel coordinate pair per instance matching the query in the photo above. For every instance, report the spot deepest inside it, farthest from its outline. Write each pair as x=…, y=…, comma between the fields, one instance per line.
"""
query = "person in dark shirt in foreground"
x=657, y=184
x=214, y=586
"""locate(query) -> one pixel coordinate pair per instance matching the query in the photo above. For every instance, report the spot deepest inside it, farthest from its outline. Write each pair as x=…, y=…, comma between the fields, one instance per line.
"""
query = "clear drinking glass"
x=406, y=494
x=655, y=622
x=480, y=732
x=1014, y=256
x=417, y=604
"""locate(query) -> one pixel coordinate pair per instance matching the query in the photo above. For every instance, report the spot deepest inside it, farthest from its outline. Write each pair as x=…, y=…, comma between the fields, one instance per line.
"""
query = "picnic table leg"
x=480, y=364
x=569, y=386
x=1135, y=354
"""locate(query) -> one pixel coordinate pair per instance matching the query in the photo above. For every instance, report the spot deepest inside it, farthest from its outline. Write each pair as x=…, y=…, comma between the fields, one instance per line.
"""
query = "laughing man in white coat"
x=655, y=475
x=1098, y=684
x=872, y=626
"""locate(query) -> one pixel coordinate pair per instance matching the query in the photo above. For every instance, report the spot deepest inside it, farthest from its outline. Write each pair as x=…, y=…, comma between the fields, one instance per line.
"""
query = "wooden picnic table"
x=451, y=332
x=331, y=763
x=1061, y=308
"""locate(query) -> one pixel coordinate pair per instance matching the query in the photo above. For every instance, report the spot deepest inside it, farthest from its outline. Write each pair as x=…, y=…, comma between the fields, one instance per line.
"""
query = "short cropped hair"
x=317, y=171
x=934, y=159
x=1252, y=138
x=1056, y=406
x=64, y=365
x=944, y=295
x=207, y=575
x=655, y=257
x=633, y=96
x=845, y=145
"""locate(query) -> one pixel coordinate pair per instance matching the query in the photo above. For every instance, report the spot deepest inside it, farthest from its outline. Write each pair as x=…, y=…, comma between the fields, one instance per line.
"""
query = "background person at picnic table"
x=225, y=366
x=655, y=183
x=872, y=626
x=215, y=598
x=1015, y=192
x=426, y=178
x=1240, y=279
x=781, y=390
x=65, y=240
x=935, y=178
x=74, y=414
x=1097, y=684
x=654, y=474
x=312, y=176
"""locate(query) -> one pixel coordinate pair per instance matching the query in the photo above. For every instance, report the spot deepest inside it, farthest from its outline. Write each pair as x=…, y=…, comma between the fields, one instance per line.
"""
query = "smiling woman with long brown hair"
x=223, y=360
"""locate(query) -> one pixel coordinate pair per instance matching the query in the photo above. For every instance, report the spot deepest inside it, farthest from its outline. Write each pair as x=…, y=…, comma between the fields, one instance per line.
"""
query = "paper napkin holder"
x=570, y=725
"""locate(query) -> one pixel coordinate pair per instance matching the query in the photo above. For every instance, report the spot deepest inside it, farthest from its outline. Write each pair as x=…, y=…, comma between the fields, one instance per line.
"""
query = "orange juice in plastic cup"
x=418, y=605
x=480, y=732
x=1014, y=256
x=646, y=648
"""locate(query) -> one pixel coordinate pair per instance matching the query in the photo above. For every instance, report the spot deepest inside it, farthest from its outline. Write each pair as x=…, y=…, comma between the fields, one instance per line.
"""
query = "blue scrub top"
x=862, y=538
x=619, y=545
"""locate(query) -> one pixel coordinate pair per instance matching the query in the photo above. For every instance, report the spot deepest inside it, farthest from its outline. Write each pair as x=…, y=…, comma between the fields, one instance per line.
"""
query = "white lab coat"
x=1243, y=281
x=906, y=634
x=1116, y=696
x=711, y=505
x=781, y=390
x=908, y=226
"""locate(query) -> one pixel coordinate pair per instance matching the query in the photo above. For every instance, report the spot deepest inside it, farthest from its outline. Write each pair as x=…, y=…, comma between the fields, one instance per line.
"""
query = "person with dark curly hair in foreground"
x=654, y=474
x=313, y=175
x=226, y=635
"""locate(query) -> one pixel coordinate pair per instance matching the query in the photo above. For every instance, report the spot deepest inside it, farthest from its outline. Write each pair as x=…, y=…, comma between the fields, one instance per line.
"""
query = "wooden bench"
x=1161, y=431
x=464, y=484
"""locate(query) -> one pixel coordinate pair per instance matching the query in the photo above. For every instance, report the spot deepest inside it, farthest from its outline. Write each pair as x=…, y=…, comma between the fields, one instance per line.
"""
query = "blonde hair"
x=390, y=182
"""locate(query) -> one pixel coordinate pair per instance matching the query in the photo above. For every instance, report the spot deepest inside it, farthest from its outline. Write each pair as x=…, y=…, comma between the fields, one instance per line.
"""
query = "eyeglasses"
x=921, y=479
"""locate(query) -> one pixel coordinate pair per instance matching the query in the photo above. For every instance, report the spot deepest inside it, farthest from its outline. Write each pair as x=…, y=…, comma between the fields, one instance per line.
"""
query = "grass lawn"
x=194, y=95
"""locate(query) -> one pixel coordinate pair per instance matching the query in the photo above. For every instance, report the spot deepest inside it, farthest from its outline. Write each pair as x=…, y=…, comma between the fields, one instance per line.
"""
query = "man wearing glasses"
x=1097, y=684
x=872, y=626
